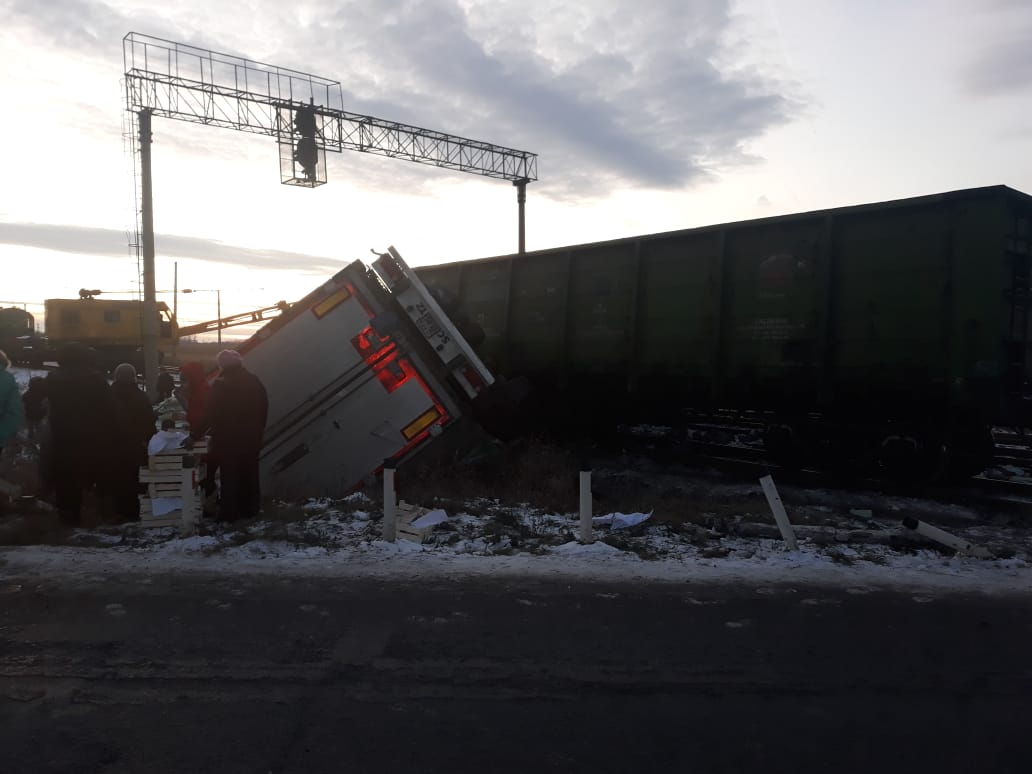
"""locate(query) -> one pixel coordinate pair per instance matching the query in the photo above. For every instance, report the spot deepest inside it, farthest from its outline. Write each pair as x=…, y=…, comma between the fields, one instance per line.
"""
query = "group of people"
x=96, y=434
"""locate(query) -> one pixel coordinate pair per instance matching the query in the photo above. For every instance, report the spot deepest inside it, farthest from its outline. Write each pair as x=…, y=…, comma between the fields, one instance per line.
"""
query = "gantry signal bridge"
x=304, y=112
x=176, y=80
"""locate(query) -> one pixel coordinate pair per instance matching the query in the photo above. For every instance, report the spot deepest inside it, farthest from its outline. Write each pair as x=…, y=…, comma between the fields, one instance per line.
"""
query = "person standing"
x=132, y=428
x=237, y=410
x=12, y=412
x=34, y=400
x=80, y=420
x=193, y=392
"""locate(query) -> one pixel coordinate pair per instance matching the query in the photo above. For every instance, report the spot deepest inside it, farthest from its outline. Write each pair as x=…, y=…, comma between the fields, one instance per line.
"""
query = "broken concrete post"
x=959, y=545
x=585, y=507
x=778, y=509
x=390, y=503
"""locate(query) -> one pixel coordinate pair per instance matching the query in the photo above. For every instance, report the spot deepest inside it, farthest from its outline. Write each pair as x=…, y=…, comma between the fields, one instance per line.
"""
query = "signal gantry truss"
x=176, y=80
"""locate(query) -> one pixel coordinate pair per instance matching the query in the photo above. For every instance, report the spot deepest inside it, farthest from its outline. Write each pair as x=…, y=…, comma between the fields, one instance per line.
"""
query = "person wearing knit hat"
x=125, y=372
x=228, y=358
x=237, y=409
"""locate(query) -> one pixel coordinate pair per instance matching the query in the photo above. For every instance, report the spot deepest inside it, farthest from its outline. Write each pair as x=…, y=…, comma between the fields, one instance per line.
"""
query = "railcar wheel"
x=970, y=452
x=911, y=457
x=784, y=446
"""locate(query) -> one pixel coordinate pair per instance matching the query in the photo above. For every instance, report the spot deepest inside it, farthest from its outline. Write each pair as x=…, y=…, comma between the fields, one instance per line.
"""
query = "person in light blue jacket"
x=12, y=413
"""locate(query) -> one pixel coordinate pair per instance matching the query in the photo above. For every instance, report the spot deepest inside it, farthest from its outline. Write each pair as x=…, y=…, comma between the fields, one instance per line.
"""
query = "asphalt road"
x=286, y=675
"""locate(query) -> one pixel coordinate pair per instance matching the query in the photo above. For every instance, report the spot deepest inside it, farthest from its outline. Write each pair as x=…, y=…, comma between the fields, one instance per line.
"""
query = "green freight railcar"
x=901, y=327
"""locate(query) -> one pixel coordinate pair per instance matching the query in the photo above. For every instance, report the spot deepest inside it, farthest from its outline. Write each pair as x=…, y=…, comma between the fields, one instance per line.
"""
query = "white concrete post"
x=585, y=507
x=778, y=509
x=390, y=504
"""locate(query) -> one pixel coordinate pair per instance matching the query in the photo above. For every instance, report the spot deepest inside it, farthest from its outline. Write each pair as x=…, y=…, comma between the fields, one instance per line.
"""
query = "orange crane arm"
x=244, y=318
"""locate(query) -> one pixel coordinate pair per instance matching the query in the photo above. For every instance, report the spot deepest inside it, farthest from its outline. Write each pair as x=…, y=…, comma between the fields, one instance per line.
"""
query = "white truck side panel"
x=306, y=355
x=332, y=421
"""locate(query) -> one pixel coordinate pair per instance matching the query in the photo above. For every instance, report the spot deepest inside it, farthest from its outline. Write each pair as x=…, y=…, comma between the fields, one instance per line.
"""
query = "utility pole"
x=150, y=302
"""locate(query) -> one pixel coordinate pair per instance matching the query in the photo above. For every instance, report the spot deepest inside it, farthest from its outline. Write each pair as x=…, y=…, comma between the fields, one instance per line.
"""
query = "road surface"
x=252, y=674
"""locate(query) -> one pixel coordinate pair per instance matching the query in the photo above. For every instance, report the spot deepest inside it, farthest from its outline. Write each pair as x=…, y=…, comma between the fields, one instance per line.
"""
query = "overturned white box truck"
x=364, y=369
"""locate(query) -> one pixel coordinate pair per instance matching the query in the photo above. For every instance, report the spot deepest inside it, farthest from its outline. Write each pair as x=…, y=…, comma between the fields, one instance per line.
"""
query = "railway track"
x=738, y=450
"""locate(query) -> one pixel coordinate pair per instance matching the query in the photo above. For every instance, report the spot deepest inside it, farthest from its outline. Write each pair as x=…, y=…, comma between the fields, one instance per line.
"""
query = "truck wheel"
x=912, y=457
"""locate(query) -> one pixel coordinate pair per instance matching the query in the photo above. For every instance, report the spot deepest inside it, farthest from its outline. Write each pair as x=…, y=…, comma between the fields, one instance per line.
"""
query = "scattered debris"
x=415, y=523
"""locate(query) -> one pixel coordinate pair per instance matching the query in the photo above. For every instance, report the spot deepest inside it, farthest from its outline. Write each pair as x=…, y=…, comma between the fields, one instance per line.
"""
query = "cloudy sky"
x=647, y=115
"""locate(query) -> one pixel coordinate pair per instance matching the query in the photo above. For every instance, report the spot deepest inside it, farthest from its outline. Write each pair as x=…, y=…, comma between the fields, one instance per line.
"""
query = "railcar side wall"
x=888, y=310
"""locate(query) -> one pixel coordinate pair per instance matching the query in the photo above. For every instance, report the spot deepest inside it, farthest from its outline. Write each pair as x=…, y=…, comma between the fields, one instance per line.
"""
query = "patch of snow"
x=587, y=550
x=520, y=541
x=22, y=376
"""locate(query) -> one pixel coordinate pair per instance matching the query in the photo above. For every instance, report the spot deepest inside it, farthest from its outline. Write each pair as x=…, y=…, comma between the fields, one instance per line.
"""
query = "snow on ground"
x=22, y=376
x=342, y=539
x=704, y=528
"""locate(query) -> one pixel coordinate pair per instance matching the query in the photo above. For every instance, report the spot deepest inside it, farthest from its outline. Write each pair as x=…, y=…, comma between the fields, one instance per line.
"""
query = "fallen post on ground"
x=778, y=509
x=961, y=546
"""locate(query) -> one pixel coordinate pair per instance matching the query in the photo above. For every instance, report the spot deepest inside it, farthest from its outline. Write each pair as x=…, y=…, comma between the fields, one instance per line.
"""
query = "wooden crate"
x=406, y=514
x=182, y=484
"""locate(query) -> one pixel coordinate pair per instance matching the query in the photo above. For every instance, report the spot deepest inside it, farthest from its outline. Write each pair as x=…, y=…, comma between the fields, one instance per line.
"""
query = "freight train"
x=19, y=338
x=894, y=334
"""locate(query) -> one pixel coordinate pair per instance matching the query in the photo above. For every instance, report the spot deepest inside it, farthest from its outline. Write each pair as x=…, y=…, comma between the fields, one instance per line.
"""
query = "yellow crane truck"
x=113, y=327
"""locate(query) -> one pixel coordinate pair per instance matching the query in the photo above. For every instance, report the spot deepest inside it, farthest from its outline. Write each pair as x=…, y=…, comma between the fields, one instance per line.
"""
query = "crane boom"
x=244, y=318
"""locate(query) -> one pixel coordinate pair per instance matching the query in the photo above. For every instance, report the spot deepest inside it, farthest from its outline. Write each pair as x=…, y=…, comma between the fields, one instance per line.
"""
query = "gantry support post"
x=150, y=304
x=521, y=202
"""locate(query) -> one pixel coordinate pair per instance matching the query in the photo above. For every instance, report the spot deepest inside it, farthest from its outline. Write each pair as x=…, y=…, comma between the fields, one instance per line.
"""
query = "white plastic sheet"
x=431, y=519
x=621, y=520
x=162, y=506
x=165, y=440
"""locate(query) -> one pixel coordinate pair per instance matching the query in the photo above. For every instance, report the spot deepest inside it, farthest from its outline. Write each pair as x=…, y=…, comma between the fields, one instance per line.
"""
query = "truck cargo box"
x=365, y=368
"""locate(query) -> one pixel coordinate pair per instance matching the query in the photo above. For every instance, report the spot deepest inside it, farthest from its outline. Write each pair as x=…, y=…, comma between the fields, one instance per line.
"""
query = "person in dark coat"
x=238, y=408
x=132, y=428
x=165, y=386
x=193, y=392
x=80, y=420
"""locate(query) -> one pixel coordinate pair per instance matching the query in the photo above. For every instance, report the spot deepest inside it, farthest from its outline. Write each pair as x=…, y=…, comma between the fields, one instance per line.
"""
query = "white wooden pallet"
x=166, y=477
